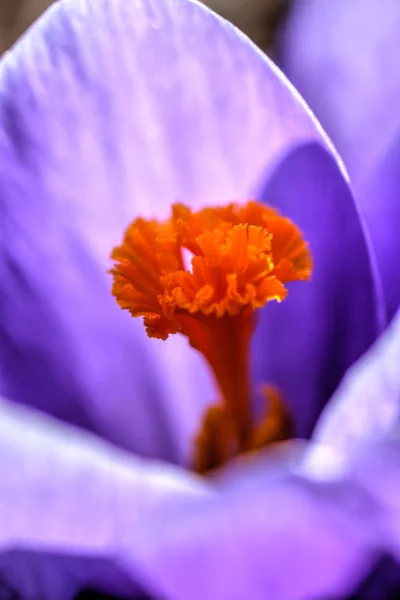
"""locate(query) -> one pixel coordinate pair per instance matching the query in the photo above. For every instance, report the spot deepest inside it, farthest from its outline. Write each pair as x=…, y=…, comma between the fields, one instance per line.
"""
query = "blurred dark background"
x=259, y=19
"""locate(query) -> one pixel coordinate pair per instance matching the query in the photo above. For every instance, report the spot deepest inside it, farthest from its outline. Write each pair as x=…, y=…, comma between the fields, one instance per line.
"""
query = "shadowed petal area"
x=79, y=513
x=377, y=468
x=381, y=206
x=31, y=574
x=272, y=531
x=343, y=58
x=109, y=110
x=66, y=499
x=367, y=403
x=358, y=429
x=306, y=344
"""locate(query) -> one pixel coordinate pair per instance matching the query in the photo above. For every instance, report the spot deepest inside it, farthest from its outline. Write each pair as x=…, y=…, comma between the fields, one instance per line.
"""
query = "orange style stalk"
x=242, y=257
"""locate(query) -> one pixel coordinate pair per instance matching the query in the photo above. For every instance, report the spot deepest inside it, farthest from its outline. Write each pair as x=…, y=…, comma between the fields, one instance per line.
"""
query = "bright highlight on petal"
x=242, y=257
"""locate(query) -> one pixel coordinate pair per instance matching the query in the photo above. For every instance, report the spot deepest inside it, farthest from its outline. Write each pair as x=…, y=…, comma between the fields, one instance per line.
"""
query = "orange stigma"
x=243, y=255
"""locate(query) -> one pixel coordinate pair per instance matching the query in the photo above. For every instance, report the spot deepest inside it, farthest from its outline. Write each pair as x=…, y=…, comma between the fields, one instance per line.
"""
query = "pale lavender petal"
x=77, y=512
x=274, y=531
x=367, y=403
x=66, y=501
x=374, y=464
x=343, y=58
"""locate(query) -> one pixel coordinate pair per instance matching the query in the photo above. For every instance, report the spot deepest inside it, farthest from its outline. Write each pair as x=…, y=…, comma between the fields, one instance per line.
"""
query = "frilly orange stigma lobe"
x=243, y=255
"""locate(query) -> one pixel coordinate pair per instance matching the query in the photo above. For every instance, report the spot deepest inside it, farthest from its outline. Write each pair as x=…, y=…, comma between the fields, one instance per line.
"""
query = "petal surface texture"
x=271, y=530
x=113, y=109
x=379, y=199
x=342, y=57
x=66, y=499
x=367, y=403
x=77, y=513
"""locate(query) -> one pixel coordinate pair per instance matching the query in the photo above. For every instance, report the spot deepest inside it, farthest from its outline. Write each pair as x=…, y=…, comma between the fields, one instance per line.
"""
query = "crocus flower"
x=112, y=111
x=342, y=57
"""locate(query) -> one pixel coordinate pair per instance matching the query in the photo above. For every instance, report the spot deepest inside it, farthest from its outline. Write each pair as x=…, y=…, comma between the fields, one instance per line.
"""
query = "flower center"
x=242, y=257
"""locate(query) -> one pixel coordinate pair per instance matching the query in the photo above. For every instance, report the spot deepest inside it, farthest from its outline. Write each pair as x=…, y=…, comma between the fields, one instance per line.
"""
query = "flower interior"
x=242, y=258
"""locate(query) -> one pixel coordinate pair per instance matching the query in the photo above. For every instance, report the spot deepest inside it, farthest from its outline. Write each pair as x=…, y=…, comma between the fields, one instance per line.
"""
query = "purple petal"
x=381, y=206
x=109, y=110
x=66, y=500
x=76, y=512
x=377, y=468
x=274, y=531
x=367, y=403
x=306, y=344
x=343, y=58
